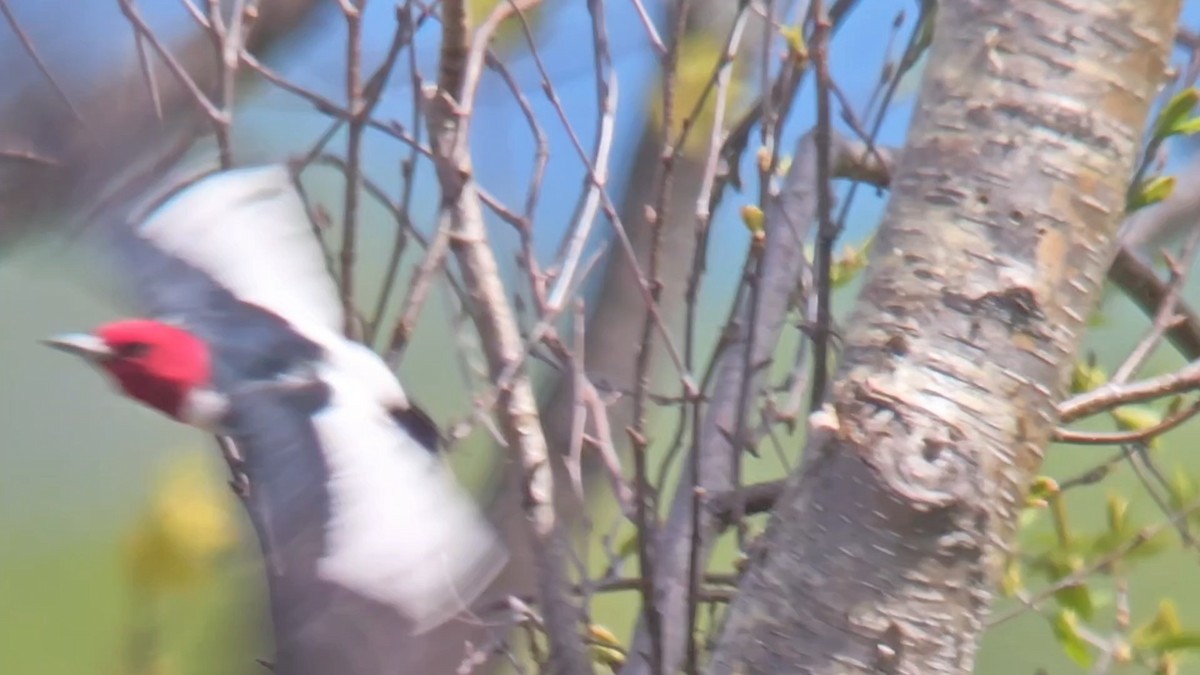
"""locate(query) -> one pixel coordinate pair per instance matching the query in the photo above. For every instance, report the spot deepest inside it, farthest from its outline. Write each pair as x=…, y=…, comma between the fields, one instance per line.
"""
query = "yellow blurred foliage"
x=188, y=522
x=699, y=54
x=510, y=33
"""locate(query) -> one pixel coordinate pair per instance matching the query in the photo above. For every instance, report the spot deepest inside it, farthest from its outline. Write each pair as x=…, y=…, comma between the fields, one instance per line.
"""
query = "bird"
x=362, y=527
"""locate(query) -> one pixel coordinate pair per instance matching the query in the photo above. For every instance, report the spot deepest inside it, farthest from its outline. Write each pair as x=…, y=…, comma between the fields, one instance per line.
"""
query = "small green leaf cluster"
x=1084, y=571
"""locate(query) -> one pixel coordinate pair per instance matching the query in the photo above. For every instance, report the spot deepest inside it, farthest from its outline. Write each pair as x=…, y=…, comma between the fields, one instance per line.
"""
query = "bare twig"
x=448, y=120
x=1144, y=287
x=34, y=56
x=703, y=222
x=788, y=220
x=647, y=503
x=352, y=10
x=651, y=32
x=606, y=86
x=1134, y=436
x=129, y=130
x=1112, y=395
x=215, y=116
x=746, y=500
x=827, y=230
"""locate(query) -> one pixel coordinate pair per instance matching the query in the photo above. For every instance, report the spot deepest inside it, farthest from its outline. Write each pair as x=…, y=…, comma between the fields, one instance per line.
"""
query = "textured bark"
x=884, y=546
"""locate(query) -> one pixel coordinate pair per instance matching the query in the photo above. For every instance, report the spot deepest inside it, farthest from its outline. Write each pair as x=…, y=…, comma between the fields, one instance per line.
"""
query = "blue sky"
x=280, y=123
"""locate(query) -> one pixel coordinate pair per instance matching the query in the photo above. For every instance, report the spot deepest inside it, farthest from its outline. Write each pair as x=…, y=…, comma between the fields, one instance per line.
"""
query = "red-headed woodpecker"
x=346, y=488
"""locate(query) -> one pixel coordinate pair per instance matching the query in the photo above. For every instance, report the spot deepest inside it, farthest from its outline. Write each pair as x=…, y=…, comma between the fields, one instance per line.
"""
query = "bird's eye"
x=132, y=350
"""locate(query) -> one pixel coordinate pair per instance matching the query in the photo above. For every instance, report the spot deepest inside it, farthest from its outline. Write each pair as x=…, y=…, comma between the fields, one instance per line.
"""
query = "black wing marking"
x=320, y=628
x=247, y=342
x=419, y=425
x=271, y=424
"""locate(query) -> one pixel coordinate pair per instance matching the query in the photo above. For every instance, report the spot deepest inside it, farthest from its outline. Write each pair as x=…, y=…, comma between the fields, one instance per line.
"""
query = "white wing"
x=400, y=530
x=248, y=229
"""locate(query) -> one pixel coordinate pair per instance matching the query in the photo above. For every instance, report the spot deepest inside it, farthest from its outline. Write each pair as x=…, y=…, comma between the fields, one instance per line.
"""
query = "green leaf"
x=1164, y=626
x=846, y=267
x=1010, y=582
x=628, y=547
x=1117, y=508
x=1028, y=516
x=607, y=656
x=1151, y=191
x=1174, y=406
x=1044, y=487
x=1077, y=598
x=1185, y=641
x=1066, y=630
x=783, y=165
x=601, y=635
x=1086, y=377
x=753, y=218
x=793, y=36
x=1176, y=113
x=1149, y=548
x=1057, y=564
x=1189, y=127
x=1181, y=489
x=1137, y=418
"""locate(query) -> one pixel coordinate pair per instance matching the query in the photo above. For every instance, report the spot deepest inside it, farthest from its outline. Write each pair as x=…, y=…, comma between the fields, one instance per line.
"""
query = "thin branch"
x=618, y=227
x=33, y=54
x=788, y=220
x=177, y=69
x=225, y=49
x=746, y=500
x=355, y=104
x=606, y=94
x=449, y=112
x=1140, y=283
x=827, y=230
x=783, y=88
x=1134, y=436
x=656, y=42
x=1113, y=395
x=647, y=503
x=704, y=200
x=408, y=177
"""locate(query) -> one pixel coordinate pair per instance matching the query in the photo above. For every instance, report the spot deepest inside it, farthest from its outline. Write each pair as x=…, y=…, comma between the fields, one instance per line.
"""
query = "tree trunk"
x=882, y=551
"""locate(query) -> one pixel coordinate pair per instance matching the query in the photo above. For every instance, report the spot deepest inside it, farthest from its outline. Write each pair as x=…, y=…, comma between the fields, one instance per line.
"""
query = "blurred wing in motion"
x=248, y=230
x=402, y=531
x=341, y=496
x=350, y=533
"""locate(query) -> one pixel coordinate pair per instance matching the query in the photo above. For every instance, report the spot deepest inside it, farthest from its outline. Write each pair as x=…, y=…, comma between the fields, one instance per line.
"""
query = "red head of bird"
x=156, y=363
